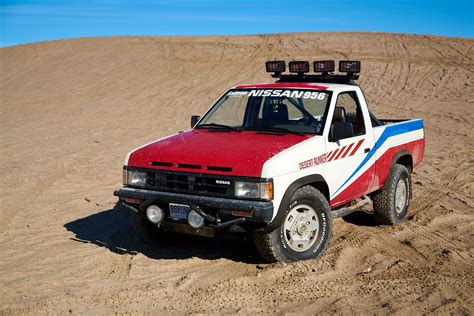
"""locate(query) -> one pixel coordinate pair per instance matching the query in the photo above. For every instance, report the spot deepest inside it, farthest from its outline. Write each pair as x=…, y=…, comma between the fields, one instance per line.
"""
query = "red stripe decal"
x=376, y=175
x=340, y=152
x=328, y=154
x=348, y=149
x=357, y=147
x=334, y=154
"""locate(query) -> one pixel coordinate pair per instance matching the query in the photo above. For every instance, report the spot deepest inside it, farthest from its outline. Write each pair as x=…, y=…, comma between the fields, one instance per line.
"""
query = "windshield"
x=279, y=110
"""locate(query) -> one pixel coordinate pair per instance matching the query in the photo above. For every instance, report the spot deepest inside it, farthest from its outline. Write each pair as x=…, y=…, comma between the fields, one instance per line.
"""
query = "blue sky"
x=40, y=20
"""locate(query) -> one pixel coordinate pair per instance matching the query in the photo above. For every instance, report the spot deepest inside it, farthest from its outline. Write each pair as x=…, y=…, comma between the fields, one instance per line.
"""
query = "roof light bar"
x=323, y=71
x=299, y=66
x=324, y=66
x=277, y=66
x=350, y=66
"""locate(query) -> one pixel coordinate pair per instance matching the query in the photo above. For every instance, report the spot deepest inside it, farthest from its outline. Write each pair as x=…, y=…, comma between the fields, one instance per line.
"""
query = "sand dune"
x=71, y=110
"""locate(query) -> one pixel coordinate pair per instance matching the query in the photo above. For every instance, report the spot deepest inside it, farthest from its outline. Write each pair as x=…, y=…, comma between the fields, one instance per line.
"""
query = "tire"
x=390, y=208
x=148, y=232
x=286, y=243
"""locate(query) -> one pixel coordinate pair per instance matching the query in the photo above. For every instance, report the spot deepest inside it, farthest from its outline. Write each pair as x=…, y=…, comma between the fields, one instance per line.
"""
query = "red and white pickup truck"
x=278, y=160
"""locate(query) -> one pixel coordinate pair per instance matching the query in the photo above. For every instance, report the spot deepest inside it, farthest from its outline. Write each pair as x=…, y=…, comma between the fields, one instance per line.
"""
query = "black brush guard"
x=262, y=211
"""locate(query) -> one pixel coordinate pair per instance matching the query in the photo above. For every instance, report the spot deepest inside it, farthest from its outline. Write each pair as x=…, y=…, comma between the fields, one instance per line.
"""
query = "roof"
x=295, y=85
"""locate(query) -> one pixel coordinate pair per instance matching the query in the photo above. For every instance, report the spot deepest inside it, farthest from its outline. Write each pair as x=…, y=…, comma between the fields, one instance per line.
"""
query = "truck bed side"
x=400, y=140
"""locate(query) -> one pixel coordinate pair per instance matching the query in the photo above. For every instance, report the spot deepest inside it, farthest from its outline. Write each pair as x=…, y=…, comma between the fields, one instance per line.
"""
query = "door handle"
x=366, y=150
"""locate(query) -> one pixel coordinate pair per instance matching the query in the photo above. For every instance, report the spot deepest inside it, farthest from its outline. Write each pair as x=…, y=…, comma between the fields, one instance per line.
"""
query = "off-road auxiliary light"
x=349, y=66
x=155, y=214
x=298, y=66
x=323, y=66
x=323, y=71
x=195, y=220
x=277, y=66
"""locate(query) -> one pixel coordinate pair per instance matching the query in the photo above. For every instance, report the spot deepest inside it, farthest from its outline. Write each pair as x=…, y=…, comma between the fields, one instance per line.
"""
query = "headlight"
x=134, y=178
x=254, y=190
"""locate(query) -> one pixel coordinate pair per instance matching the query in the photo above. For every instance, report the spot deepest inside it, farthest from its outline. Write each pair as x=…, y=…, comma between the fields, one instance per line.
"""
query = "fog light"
x=195, y=220
x=154, y=214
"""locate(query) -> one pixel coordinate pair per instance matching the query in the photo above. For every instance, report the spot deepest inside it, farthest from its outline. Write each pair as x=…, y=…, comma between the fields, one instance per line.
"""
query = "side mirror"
x=340, y=130
x=194, y=120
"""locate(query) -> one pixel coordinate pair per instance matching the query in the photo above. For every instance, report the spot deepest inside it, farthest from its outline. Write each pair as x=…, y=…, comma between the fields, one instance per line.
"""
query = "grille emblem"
x=223, y=182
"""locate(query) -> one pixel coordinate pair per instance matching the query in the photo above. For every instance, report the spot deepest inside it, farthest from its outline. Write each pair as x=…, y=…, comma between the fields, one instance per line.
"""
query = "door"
x=350, y=176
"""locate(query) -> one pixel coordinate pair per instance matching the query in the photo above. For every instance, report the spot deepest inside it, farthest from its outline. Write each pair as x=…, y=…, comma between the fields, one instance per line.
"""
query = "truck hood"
x=214, y=152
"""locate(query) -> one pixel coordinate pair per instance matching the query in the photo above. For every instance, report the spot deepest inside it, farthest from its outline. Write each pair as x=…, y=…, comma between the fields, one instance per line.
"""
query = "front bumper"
x=262, y=211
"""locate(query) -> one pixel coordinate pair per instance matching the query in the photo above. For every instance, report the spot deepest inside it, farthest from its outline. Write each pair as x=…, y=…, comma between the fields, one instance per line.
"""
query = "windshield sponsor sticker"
x=237, y=93
x=288, y=93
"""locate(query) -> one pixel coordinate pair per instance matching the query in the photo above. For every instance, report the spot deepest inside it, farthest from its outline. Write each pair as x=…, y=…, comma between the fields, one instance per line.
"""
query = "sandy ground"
x=71, y=110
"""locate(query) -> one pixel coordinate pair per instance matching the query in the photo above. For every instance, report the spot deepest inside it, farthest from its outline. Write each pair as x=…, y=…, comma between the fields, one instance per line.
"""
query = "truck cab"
x=277, y=160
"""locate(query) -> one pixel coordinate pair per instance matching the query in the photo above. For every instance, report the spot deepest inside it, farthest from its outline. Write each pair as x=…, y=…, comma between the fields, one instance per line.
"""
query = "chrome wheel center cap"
x=302, y=229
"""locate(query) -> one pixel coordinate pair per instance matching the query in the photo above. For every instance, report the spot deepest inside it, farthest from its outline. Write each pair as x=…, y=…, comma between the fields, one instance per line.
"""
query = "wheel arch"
x=404, y=158
x=315, y=180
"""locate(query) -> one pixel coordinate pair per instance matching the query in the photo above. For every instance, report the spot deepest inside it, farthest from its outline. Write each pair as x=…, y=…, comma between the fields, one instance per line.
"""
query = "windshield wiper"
x=220, y=126
x=270, y=129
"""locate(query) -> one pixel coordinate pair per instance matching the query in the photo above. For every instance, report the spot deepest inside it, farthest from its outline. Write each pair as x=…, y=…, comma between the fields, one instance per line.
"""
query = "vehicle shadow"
x=360, y=218
x=112, y=229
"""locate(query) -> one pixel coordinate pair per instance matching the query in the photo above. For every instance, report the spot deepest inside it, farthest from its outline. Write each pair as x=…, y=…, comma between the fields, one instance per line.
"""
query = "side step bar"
x=344, y=211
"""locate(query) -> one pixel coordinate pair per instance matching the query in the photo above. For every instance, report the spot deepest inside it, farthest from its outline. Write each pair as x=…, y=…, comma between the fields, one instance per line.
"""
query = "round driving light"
x=195, y=220
x=154, y=214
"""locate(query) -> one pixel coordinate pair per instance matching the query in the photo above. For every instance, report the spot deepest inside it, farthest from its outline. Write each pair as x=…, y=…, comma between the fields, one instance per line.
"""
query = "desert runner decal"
x=339, y=153
x=313, y=161
x=298, y=94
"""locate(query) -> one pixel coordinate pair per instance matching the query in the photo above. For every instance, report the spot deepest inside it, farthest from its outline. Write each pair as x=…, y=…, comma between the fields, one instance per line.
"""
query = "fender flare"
x=285, y=202
x=398, y=155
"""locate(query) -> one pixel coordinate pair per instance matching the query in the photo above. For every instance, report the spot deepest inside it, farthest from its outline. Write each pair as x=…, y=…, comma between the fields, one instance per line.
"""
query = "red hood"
x=243, y=153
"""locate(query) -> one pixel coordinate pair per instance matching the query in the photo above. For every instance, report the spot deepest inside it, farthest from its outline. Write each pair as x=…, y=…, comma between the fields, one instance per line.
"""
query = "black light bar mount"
x=329, y=78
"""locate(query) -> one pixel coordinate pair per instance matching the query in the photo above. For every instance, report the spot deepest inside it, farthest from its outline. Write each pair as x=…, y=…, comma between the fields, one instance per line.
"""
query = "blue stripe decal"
x=390, y=131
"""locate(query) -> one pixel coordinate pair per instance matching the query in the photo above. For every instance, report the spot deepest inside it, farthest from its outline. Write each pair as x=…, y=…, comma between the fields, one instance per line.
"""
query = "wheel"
x=148, y=232
x=391, y=204
x=304, y=233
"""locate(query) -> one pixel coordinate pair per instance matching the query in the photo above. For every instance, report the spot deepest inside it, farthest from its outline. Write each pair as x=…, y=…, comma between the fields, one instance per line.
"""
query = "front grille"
x=188, y=183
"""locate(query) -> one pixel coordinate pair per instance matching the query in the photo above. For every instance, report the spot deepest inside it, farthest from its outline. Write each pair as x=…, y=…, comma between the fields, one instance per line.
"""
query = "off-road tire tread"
x=266, y=247
x=383, y=203
x=266, y=243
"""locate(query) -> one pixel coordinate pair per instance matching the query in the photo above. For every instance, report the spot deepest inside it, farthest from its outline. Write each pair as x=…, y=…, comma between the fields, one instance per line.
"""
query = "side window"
x=348, y=110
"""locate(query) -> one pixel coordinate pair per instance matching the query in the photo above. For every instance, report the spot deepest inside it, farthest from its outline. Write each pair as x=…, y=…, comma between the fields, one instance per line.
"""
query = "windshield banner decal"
x=288, y=93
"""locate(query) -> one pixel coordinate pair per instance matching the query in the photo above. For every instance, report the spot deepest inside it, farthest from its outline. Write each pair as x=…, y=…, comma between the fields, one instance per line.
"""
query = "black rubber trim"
x=262, y=210
x=397, y=156
x=285, y=202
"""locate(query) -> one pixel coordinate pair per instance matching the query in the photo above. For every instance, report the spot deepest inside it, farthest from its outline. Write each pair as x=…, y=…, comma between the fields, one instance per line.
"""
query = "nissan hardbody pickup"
x=277, y=160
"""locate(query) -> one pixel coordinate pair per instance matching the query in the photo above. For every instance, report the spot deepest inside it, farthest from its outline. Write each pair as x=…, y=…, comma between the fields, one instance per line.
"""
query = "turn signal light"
x=242, y=213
